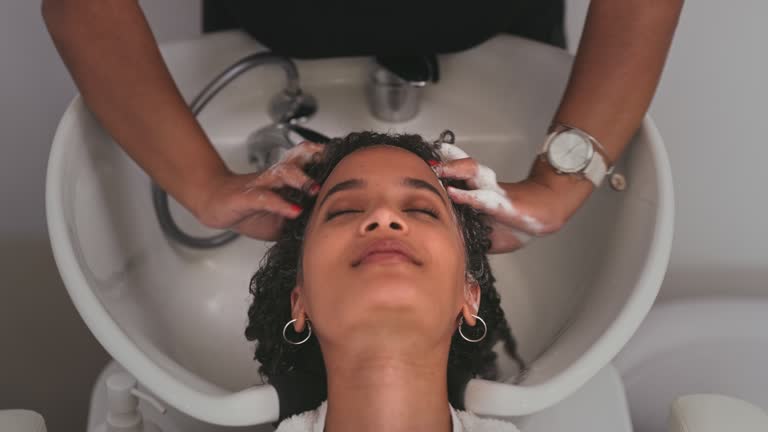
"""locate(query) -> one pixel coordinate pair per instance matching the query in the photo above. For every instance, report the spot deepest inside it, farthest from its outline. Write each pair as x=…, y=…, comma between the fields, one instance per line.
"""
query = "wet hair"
x=276, y=277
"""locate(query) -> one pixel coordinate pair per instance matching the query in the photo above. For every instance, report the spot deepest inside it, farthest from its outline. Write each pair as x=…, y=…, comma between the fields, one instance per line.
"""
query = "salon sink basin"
x=174, y=317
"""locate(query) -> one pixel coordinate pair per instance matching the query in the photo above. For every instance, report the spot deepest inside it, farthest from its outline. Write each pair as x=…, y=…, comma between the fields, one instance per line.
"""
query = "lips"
x=386, y=246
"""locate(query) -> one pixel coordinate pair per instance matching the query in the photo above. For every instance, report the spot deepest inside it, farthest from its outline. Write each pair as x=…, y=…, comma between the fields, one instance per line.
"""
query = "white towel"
x=463, y=421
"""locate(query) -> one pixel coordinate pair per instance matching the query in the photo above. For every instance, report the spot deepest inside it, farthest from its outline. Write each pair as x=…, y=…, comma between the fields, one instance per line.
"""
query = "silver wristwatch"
x=570, y=150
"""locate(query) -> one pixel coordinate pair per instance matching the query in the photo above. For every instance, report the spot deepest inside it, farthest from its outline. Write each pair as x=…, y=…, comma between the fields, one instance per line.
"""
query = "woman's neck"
x=387, y=391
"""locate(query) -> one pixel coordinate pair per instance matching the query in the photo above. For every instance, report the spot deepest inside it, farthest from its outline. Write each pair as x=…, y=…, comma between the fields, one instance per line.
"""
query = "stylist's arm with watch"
x=614, y=76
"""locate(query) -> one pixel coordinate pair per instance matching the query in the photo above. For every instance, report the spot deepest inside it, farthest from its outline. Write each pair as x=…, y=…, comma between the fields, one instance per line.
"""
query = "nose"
x=385, y=217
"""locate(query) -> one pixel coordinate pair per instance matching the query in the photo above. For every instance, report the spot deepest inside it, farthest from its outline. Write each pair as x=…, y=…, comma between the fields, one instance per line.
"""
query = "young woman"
x=378, y=294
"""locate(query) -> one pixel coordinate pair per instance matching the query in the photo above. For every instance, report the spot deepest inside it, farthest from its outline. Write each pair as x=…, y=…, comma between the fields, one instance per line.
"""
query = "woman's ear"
x=471, y=302
x=297, y=309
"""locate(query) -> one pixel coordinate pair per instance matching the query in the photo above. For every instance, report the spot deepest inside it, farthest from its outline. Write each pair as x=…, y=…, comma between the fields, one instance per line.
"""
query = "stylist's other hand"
x=516, y=212
x=248, y=204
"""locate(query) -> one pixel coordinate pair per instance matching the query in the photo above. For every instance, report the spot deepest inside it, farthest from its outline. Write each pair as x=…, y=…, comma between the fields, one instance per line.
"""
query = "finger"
x=260, y=199
x=285, y=174
x=302, y=153
x=486, y=201
x=486, y=179
x=476, y=175
x=460, y=169
x=499, y=207
x=494, y=207
x=293, y=176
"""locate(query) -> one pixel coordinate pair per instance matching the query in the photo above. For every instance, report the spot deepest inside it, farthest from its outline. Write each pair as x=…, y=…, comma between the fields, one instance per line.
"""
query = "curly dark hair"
x=276, y=277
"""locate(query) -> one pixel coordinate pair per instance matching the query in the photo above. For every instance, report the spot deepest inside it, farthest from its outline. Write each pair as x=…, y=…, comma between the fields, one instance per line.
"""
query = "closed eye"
x=332, y=215
x=430, y=211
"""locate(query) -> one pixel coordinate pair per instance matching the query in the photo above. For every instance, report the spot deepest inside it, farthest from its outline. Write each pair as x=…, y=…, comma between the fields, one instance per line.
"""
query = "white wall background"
x=48, y=358
x=711, y=107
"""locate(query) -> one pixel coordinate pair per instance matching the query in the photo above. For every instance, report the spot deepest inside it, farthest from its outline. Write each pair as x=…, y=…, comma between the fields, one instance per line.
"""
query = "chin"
x=392, y=300
x=393, y=292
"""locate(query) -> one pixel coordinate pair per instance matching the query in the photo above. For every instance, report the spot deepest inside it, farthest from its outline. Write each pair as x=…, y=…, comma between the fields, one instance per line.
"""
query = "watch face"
x=569, y=152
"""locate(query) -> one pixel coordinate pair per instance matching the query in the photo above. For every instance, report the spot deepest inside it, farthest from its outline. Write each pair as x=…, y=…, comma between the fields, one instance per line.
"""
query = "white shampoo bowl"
x=175, y=318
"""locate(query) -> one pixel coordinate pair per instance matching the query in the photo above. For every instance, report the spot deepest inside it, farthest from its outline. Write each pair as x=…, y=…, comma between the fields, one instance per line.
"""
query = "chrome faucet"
x=288, y=105
x=396, y=85
x=265, y=146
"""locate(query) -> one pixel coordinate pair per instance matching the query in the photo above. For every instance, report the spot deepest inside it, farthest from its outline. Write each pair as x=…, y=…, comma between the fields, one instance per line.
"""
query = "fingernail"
x=296, y=208
x=437, y=168
x=310, y=186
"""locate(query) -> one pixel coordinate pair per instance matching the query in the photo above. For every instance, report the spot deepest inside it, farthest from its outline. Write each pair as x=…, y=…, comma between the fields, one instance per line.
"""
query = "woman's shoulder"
x=472, y=423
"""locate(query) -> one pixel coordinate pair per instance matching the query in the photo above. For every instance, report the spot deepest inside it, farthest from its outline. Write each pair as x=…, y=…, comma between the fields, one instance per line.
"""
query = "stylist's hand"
x=246, y=203
x=516, y=212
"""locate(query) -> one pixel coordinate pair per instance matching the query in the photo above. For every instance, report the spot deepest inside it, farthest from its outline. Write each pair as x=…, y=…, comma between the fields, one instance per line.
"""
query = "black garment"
x=340, y=28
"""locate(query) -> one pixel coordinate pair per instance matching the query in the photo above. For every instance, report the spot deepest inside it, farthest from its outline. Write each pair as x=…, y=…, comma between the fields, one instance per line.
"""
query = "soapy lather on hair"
x=486, y=194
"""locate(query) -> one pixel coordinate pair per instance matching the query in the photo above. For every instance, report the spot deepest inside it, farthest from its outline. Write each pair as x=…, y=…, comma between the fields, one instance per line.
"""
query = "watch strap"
x=596, y=170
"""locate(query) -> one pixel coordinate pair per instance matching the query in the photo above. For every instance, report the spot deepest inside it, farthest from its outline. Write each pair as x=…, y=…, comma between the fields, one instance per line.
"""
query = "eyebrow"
x=357, y=183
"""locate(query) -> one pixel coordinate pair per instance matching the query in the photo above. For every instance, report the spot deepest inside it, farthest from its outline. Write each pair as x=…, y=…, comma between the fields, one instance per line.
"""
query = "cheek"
x=323, y=257
x=447, y=271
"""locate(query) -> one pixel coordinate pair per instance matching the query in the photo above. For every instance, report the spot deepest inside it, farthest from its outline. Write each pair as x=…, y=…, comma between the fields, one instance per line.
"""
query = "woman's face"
x=382, y=193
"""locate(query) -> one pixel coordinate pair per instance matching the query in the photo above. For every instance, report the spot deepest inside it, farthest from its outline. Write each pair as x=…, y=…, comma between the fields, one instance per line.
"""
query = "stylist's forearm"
x=617, y=68
x=114, y=60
